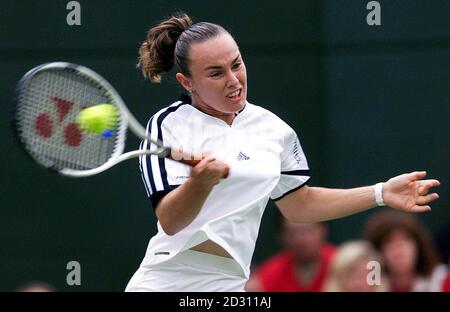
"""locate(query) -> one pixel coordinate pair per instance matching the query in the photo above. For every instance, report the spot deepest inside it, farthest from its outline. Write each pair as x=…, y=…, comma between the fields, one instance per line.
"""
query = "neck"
x=226, y=117
x=402, y=280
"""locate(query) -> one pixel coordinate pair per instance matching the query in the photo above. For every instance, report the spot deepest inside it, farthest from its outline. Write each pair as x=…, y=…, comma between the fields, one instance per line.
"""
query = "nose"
x=232, y=79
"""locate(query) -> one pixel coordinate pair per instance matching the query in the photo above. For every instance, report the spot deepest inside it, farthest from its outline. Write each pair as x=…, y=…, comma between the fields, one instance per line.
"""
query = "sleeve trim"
x=145, y=165
x=293, y=190
x=156, y=197
x=304, y=172
x=161, y=161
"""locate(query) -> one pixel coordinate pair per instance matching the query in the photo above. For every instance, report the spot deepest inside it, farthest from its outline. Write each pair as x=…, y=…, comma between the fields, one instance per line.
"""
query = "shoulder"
x=434, y=281
x=263, y=112
x=264, y=115
x=171, y=111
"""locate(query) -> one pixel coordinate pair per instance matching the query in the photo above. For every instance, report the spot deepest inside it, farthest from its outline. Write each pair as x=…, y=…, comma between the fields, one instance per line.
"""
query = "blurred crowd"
x=395, y=253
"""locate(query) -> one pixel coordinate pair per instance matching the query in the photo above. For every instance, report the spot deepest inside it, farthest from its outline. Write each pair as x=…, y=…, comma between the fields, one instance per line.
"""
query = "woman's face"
x=354, y=278
x=400, y=253
x=218, y=77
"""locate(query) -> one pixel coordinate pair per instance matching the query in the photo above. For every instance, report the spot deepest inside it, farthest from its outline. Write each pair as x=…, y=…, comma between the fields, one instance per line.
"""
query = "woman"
x=412, y=261
x=356, y=267
x=209, y=215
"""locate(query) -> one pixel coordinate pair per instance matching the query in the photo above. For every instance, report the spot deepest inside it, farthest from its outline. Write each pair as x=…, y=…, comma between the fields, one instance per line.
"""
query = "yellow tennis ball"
x=98, y=118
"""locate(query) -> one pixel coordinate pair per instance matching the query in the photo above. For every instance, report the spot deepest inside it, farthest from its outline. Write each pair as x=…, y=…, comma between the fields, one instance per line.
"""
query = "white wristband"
x=379, y=194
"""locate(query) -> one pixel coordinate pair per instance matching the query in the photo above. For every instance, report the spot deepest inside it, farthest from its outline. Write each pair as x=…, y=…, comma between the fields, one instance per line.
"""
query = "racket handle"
x=184, y=157
x=188, y=159
x=189, y=162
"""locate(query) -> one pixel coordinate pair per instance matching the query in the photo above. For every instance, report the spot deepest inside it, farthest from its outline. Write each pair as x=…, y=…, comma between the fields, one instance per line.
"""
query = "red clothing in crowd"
x=446, y=285
x=278, y=273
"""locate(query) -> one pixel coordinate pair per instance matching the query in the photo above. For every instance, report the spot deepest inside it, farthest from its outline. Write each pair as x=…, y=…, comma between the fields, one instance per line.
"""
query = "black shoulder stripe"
x=293, y=190
x=148, y=161
x=161, y=161
x=297, y=172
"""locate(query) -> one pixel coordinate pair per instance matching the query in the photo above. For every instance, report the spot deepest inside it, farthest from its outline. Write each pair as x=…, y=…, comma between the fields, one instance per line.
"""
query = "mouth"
x=234, y=96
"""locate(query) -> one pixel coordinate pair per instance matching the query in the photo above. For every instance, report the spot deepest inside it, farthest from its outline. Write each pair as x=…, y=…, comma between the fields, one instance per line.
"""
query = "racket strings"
x=46, y=113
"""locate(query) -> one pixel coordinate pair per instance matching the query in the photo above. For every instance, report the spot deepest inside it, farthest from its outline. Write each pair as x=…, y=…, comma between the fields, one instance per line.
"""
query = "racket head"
x=47, y=100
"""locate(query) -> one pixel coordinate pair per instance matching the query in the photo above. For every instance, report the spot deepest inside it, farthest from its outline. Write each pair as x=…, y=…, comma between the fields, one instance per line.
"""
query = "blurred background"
x=368, y=103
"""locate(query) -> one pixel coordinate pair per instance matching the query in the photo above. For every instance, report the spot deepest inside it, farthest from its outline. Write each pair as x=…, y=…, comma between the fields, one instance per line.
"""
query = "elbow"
x=168, y=227
x=167, y=224
x=170, y=232
x=170, y=221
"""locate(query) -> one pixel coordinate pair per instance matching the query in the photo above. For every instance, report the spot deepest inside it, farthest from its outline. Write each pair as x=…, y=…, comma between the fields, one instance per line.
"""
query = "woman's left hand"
x=408, y=192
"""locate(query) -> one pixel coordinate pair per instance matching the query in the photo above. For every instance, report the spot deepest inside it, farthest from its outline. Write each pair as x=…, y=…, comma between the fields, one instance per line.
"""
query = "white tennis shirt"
x=266, y=162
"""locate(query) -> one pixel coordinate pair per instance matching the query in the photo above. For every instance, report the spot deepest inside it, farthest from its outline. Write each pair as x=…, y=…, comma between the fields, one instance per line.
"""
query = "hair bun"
x=156, y=54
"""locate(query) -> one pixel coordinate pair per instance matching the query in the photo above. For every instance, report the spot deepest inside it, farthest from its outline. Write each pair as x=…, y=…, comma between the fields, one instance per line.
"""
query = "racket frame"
x=128, y=121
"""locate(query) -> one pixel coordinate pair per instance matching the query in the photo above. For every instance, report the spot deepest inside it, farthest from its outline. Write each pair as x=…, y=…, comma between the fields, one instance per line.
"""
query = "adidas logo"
x=242, y=156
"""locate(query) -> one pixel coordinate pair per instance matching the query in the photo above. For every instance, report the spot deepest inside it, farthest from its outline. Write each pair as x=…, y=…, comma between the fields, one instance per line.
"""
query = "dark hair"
x=168, y=43
x=380, y=227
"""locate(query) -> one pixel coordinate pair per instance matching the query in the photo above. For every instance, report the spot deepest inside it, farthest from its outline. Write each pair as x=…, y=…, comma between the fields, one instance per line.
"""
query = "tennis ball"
x=98, y=118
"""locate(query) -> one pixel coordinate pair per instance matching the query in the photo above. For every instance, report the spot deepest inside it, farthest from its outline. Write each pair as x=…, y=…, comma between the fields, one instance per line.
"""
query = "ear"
x=184, y=81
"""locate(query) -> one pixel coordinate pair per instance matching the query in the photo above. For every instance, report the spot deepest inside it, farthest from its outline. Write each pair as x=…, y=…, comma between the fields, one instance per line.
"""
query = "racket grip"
x=189, y=159
x=184, y=157
x=189, y=162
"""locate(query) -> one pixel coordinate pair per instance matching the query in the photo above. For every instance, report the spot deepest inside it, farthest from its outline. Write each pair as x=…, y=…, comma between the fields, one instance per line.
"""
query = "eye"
x=215, y=74
x=236, y=65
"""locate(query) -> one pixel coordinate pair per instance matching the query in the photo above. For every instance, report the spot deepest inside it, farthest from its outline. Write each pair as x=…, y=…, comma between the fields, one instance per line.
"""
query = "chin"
x=237, y=106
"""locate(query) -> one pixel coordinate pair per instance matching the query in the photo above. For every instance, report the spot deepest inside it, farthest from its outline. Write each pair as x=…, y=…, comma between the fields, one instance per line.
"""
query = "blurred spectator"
x=411, y=258
x=35, y=286
x=349, y=270
x=443, y=242
x=303, y=264
x=446, y=284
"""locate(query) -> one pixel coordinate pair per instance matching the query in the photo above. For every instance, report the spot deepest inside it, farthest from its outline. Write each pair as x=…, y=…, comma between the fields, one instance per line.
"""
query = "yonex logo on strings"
x=45, y=125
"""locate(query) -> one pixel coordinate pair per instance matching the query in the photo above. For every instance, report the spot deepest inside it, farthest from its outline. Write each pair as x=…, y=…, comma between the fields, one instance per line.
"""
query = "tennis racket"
x=48, y=99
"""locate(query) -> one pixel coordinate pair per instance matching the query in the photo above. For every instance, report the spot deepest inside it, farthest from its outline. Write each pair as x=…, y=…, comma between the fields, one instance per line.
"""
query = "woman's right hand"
x=209, y=171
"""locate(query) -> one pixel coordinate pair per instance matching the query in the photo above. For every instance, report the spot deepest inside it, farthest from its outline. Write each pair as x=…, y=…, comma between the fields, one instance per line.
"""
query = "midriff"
x=212, y=248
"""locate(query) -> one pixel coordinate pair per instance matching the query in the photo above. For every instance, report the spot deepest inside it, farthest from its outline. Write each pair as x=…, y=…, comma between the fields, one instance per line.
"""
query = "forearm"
x=315, y=204
x=180, y=207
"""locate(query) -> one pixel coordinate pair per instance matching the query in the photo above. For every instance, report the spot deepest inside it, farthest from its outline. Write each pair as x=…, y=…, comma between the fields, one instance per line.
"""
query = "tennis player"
x=209, y=215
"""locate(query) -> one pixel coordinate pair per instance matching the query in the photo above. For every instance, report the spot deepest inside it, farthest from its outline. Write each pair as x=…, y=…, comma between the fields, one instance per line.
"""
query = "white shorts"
x=191, y=271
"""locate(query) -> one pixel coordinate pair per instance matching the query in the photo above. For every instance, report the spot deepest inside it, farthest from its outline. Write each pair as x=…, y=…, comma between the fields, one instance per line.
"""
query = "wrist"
x=378, y=192
x=200, y=185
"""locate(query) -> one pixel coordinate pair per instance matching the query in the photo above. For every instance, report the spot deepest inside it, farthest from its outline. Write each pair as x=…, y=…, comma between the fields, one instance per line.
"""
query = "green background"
x=368, y=102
